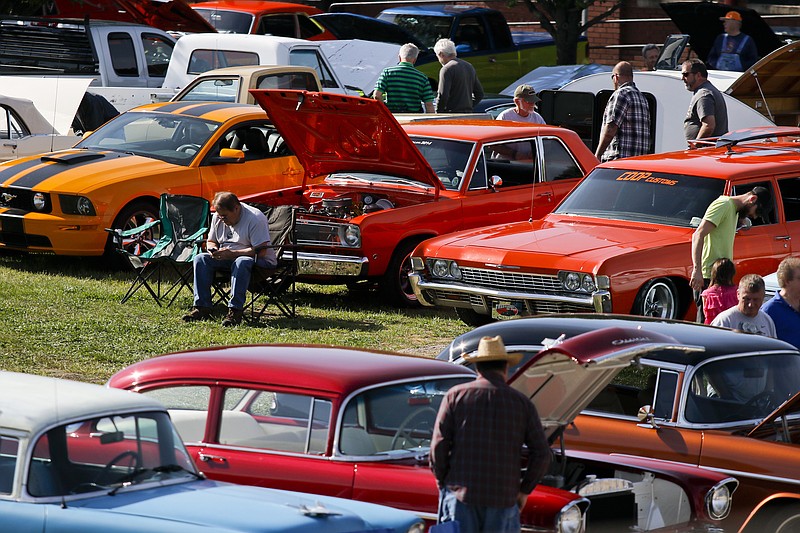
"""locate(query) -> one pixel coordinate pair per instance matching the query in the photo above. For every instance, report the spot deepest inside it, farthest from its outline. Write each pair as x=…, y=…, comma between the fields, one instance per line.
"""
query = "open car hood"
x=789, y=407
x=336, y=133
x=562, y=380
x=700, y=20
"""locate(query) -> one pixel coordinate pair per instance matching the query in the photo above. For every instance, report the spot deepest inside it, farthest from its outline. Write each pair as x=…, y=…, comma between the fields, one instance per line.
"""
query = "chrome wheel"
x=657, y=299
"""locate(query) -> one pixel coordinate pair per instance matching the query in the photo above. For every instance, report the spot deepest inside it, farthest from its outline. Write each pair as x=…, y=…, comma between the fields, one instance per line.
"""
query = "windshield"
x=107, y=453
x=175, y=139
x=447, y=158
x=227, y=21
x=395, y=419
x=741, y=388
x=427, y=28
x=670, y=199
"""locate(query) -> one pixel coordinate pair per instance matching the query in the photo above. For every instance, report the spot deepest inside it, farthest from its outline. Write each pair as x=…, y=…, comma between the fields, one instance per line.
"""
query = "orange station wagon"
x=61, y=202
x=620, y=241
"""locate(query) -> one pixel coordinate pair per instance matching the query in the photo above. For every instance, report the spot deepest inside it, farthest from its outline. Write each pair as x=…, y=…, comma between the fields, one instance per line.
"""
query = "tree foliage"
x=563, y=20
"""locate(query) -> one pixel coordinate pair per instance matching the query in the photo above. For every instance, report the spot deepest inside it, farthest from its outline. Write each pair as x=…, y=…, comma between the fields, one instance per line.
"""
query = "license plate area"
x=507, y=309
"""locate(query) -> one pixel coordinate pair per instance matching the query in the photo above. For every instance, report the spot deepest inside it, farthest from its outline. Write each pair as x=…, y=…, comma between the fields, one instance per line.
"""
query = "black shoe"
x=233, y=318
x=197, y=313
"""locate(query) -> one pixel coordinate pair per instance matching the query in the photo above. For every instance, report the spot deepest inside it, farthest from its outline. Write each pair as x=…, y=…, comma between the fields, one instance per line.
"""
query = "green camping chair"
x=164, y=267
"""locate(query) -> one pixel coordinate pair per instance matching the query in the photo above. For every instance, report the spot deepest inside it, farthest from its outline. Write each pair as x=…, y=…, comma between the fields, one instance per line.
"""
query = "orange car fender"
x=768, y=509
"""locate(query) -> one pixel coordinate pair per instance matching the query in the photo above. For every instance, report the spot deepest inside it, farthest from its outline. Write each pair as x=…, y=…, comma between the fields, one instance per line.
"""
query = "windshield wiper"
x=128, y=479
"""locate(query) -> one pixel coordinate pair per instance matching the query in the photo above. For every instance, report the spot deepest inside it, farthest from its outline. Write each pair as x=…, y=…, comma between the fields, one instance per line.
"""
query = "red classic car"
x=284, y=19
x=373, y=190
x=620, y=241
x=732, y=407
x=357, y=424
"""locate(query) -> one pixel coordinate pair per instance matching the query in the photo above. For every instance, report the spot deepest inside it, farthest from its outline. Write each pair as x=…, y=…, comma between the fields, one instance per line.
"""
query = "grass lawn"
x=61, y=316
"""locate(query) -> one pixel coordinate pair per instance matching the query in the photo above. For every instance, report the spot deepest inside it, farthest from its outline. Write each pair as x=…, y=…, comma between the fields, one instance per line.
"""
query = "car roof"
x=319, y=368
x=531, y=332
x=481, y=130
x=215, y=111
x=258, y=6
x=33, y=403
x=438, y=10
x=755, y=160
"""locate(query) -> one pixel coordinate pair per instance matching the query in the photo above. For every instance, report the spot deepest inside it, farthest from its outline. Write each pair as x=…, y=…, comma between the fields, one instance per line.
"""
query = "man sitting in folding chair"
x=237, y=240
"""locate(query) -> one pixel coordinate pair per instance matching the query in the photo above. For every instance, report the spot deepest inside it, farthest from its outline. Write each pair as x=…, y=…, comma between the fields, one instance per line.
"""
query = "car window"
x=227, y=21
x=11, y=126
x=257, y=141
x=427, y=28
x=282, y=25
x=516, y=163
x=123, y=54
x=216, y=90
x=311, y=58
x=157, y=51
x=769, y=214
x=447, y=158
x=204, y=60
x=742, y=388
x=618, y=194
x=274, y=420
x=188, y=408
x=9, y=447
x=302, y=81
x=790, y=196
x=393, y=417
x=478, y=180
x=632, y=388
x=558, y=161
x=472, y=34
x=308, y=28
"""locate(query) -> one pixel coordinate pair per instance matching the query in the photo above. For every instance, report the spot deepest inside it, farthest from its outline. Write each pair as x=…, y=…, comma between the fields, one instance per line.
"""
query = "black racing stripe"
x=13, y=170
x=51, y=169
x=201, y=110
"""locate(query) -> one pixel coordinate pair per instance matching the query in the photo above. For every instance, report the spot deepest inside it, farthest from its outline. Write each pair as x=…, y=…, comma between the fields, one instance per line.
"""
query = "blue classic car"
x=81, y=457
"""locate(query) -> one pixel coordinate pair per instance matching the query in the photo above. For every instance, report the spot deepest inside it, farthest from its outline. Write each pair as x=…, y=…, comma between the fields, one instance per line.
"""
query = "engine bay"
x=348, y=206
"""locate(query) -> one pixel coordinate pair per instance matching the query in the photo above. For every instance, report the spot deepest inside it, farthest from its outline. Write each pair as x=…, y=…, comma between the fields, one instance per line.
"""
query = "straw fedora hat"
x=493, y=349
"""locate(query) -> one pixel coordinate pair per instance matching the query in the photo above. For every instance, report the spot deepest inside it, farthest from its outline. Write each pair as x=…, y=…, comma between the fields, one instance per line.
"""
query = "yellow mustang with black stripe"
x=63, y=201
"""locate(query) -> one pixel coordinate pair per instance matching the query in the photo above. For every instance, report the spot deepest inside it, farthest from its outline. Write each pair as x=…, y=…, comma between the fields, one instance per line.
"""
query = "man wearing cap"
x=713, y=238
x=524, y=110
x=476, y=448
x=732, y=50
x=626, y=119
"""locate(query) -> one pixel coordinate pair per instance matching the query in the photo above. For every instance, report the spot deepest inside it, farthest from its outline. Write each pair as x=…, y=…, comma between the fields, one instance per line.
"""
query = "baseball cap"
x=732, y=15
x=526, y=92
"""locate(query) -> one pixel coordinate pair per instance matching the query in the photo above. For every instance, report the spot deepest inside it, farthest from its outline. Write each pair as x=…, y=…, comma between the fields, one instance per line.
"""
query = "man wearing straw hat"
x=476, y=449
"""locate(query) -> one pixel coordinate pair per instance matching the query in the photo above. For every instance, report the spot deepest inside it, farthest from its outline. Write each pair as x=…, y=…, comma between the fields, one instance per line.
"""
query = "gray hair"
x=409, y=52
x=445, y=47
x=646, y=48
x=751, y=283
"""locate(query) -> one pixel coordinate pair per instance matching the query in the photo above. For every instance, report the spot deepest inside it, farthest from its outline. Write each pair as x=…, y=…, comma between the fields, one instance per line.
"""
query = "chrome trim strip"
x=419, y=284
x=309, y=263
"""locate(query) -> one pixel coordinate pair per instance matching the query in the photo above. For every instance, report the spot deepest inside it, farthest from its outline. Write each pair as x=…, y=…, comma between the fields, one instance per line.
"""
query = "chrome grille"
x=511, y=281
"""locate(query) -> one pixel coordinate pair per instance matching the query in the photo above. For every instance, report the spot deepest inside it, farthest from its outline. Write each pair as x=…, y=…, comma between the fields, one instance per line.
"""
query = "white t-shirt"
x=732, y=318
x=511, y=114
x=251, y=231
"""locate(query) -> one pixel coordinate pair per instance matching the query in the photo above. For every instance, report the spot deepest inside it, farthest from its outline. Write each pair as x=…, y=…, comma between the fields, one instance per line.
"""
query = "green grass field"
x=61, y=316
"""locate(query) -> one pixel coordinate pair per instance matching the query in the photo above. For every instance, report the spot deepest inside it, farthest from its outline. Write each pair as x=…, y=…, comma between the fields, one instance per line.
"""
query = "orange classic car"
x=375, y=189
x=284, y=19
x=620, y=241
x=62, y=201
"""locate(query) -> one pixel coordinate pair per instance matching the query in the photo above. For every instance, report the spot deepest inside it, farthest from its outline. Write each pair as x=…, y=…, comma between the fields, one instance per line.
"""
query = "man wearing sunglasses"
x=707, y=115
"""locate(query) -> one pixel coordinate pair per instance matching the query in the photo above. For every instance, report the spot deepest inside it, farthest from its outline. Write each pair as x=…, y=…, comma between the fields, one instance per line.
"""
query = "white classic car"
x=81, y=457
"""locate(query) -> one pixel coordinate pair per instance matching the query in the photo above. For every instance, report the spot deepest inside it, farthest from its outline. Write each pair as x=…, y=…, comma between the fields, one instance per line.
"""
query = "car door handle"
x=783, y=238
x=206, y=458
x=544, y=194
x=10, y=145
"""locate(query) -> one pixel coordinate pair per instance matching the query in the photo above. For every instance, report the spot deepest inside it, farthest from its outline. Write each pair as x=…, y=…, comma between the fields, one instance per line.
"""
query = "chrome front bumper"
x=482, y=300
x=329, y=265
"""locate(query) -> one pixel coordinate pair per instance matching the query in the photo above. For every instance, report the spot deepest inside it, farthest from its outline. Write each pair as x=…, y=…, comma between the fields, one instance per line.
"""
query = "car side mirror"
x=227, y=156
x=646, y=416
x=495, y=182
x=744, y=224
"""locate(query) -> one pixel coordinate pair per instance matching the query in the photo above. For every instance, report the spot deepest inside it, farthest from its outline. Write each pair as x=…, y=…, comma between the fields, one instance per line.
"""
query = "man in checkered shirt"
x=626, y=119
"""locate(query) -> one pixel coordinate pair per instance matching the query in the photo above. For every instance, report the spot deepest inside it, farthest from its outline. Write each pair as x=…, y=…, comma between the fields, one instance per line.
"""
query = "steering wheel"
x=762, y=403
x=106, y=471
x=405, y=430
x=188, y=148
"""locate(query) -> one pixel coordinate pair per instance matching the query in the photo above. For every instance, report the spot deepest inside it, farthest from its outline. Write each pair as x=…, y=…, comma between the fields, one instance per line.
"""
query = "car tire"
x=395, y=286
x=132, y=215
x=472, y=318
x=786, y=520
x=658, y=298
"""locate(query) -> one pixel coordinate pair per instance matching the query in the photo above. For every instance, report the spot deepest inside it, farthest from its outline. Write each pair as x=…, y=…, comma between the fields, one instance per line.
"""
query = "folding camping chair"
x=164, y=267
x=270, y=286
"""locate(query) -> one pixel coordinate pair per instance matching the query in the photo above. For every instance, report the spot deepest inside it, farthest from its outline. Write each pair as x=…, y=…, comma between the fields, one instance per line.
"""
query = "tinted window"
x=308, y=28
x=471, y=33
x=790, y=195
x=428, y=29
x=558, y=161
x=205, y=60
x=513, y=162
x=672, y=199
x=123, y=54
x=282, y=25
x=310, y=58
x=157, y=51
x=227, y=21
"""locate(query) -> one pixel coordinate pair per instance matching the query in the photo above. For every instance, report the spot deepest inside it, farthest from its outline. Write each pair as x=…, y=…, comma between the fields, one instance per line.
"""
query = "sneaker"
x=233, y=318
x=197, y=313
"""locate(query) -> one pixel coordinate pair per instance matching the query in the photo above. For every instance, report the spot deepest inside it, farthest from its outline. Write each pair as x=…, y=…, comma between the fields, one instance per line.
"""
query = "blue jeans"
x=205, y=268
x=477, y=519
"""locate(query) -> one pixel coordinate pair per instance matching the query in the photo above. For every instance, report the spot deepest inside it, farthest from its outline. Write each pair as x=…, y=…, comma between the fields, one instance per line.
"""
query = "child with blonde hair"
x=721, y=292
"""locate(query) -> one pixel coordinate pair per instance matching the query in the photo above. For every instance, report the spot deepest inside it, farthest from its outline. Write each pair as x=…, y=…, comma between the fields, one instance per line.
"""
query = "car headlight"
x=720, y=499
x=352, y=236
x=39, y=201
x=455, y=272
x=577, y=282
x=570, y=519
x=76, y=205
x=444, y=268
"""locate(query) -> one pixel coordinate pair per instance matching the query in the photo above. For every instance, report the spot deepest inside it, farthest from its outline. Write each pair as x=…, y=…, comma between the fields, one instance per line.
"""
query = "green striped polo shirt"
x=405, y=88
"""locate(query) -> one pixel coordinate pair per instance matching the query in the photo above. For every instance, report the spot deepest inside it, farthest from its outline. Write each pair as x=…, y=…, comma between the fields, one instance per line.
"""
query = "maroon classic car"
x=373, y=189
x=357, y=424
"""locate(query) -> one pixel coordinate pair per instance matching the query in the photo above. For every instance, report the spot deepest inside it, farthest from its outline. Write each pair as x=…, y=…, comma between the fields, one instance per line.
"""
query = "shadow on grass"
x=98, y=268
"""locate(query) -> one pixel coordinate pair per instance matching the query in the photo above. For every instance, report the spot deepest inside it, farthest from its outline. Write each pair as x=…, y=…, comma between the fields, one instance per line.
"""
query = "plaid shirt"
x=628, y=109
x=476, y=450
